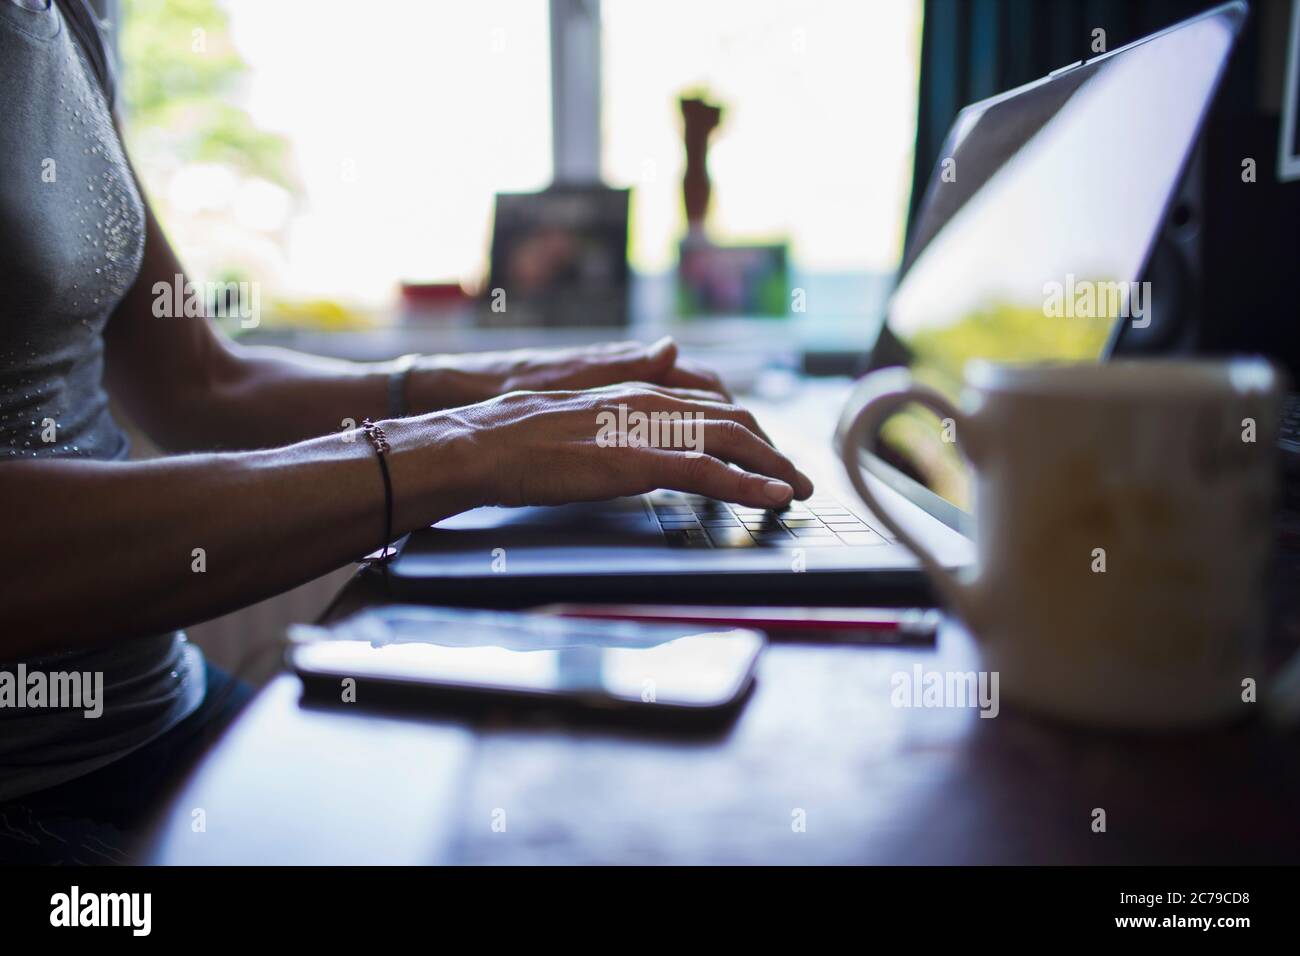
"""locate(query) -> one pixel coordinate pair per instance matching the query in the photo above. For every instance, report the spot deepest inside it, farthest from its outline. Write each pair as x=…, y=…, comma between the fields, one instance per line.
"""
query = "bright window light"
x=817, y=141
x=398, y=123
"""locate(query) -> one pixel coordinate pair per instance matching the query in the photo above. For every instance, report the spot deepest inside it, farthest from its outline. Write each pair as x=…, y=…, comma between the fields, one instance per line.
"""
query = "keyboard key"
x=773, y=537
x=720, y=521
x=812, y=532
x=663, y=510
x=679, y=523
x=845, y=525
x=730, y=538
x=801, y=522
x=686, y=539
x=858, y=538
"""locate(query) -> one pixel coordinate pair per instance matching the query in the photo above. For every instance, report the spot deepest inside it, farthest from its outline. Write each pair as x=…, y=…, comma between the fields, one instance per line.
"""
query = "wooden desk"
x=818, y=741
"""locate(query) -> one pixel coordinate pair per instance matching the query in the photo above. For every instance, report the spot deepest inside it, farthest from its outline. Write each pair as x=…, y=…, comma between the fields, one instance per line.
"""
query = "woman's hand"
x=450, y=381
x=543, y=448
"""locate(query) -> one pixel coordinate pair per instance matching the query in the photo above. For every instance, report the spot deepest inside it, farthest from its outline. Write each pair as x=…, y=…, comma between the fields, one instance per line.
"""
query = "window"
x=330, y=148
x=817, y=136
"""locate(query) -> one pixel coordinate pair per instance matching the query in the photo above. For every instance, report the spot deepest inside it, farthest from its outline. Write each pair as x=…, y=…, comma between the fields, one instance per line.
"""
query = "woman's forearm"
x=192, y=389
x=102, y=550
x=264, y=396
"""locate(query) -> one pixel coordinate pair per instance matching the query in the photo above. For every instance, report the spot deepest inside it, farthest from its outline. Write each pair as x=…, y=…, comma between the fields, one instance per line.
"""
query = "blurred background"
x=349, y=160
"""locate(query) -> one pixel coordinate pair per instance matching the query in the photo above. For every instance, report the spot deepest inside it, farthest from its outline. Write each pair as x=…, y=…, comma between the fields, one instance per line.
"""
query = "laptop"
x=1065, y=180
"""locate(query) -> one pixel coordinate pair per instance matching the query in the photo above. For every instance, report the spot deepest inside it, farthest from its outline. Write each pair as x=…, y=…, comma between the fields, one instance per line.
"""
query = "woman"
x=267, y=482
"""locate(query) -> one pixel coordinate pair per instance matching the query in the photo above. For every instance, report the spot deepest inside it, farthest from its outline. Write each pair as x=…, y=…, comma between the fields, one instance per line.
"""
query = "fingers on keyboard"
x=693, y=521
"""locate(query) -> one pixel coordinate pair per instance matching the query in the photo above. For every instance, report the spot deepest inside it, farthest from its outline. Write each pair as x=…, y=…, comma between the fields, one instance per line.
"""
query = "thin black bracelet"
x=377, y=438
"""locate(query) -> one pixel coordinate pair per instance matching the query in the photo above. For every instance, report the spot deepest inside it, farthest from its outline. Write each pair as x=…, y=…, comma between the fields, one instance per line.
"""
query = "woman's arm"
x=191, y=389
x=99, y=551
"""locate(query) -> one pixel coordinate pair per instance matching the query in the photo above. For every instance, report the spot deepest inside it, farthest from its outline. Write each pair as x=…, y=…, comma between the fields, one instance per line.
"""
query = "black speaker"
x=1174, y=276
x=1224, y=269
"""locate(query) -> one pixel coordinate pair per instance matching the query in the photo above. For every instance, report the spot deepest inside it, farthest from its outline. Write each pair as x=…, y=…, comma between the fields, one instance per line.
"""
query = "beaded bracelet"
x=379, y=441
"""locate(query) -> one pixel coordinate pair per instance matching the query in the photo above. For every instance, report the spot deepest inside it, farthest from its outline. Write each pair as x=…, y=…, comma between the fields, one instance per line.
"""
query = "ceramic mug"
x=1123, y=516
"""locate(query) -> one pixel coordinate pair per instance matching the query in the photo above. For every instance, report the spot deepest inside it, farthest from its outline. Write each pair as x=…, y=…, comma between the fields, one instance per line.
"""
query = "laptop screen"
x=1037, y=222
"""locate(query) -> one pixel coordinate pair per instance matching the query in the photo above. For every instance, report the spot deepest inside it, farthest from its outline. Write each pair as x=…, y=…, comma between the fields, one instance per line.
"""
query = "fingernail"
x=662, y=344
x=777, y=492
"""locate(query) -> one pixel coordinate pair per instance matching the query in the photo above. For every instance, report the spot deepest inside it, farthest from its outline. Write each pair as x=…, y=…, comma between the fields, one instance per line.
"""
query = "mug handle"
x=880, y=395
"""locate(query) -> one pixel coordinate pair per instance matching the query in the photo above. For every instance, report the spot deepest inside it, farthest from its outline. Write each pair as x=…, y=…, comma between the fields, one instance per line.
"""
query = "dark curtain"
x=972, y=49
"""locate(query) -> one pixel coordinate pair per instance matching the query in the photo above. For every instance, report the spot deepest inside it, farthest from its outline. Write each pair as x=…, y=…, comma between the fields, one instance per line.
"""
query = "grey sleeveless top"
x=71, y=241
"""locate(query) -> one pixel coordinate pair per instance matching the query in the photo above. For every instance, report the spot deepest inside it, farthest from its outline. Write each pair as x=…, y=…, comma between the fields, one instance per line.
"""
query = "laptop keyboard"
x=692, y=521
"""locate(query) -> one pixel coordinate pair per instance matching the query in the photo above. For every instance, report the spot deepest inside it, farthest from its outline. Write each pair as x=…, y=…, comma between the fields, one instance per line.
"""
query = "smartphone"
x=424, y=656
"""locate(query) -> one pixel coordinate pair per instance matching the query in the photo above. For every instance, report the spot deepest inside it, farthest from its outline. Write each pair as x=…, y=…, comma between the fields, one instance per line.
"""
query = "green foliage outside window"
x=180, y=70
